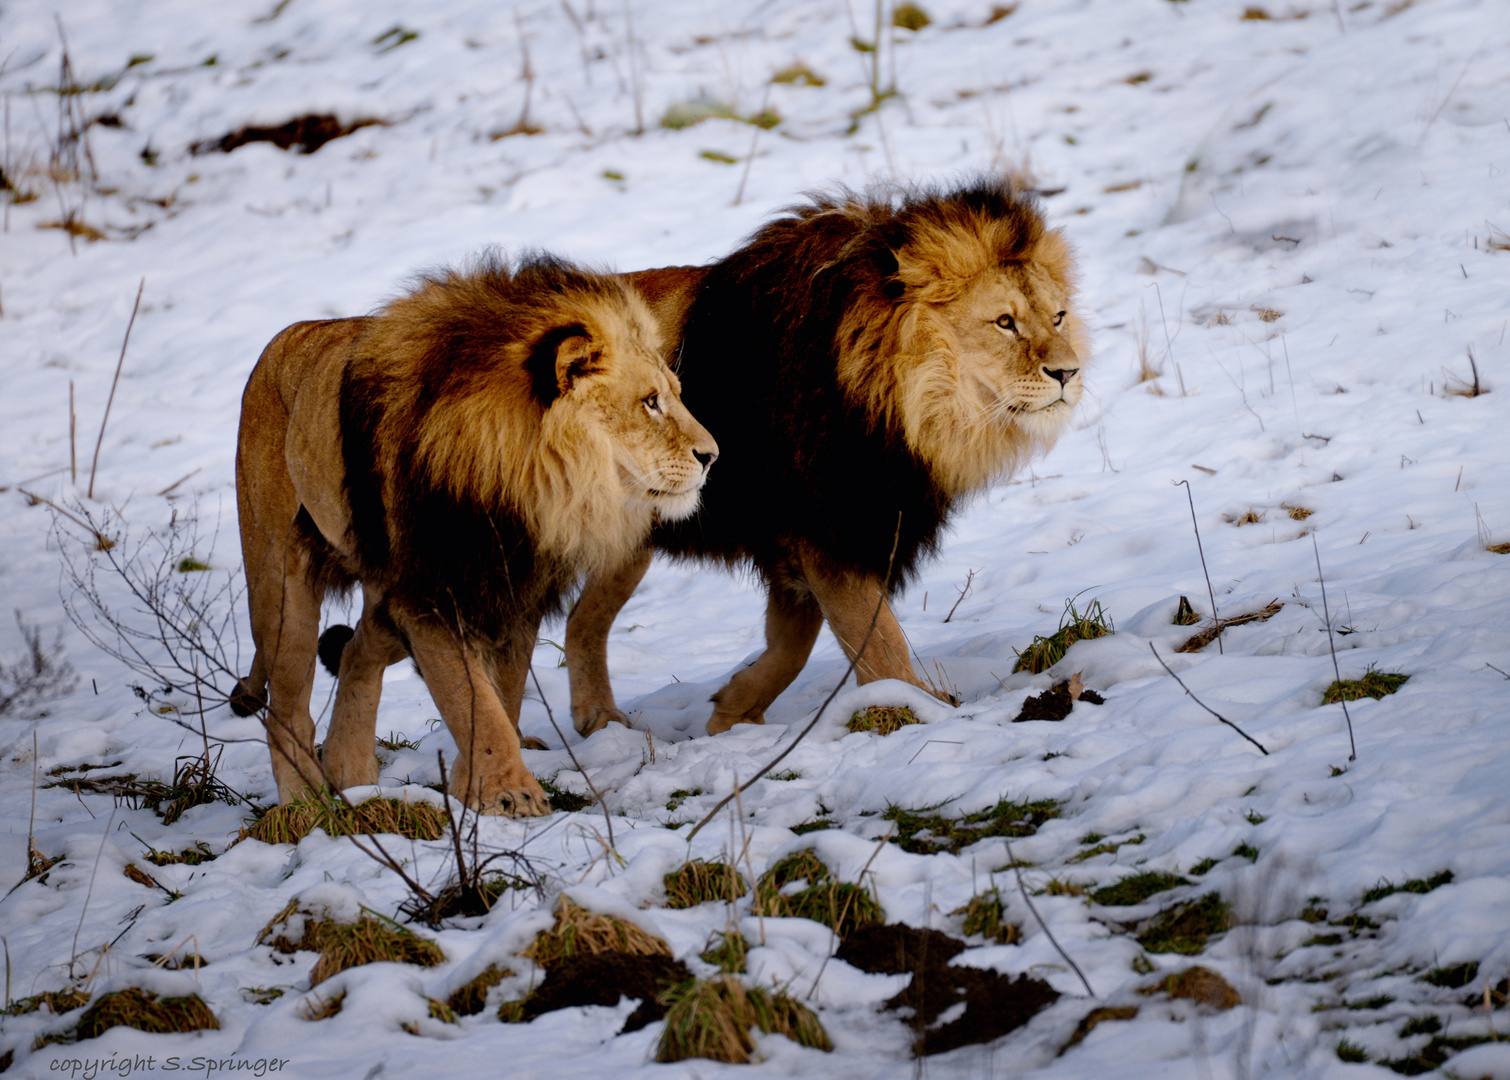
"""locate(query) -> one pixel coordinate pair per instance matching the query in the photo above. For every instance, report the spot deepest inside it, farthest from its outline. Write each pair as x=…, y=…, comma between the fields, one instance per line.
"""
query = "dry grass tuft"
x=712, y=1019
x=472, y=998
x=910, y=16
x=986, y=916
x=58, y=1002
x=726, y=951
x=798, y=74
x=1499, y=549
x=1297, y=513
x=292, y=823
x=698, y=882
x=1044, y=652
x=579, y=932
x=1267, y=314
x=1198, y=984
x=369, y=940
x=882, y=719
x=840, y=906
x=324, y=1008
x=1089, y=1021
x=146, y=1012
x=1374, y=684
x=1252, y=517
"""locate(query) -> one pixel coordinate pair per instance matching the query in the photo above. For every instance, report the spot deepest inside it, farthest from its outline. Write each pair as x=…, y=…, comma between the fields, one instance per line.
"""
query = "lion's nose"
x=1064, y=375
x=707, y=458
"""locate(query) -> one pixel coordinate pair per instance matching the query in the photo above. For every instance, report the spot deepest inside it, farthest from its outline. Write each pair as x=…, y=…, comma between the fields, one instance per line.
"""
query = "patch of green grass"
x=816, y=825
x=909, y=16
x=1452, y=978
x=923, y=833
x=718, y=156
x=1044, y=652
x=840, y=906
x=986, y=916
x=1374, y=684
x=1355, y=924
x=1059, y=887
x=396, y=742
x=1104, y=849
x=393, y=37
x=1420, y=1025
x=698, y=882
x=1376, y=1002
x=1322, y=939
x=798, y=74
x=785, y=774
x=1352, y=1052
x=1137, y=888
x=681, y=795
x=1433, y=1055
x=1414, y=885
x=1185, y=928
x=1203, y=866
x=1255, y=818
x=727, y=951
x=370, y=939
x=882, y=719
x=611, y=174
x=561, y=799
x=472, y=997
x=58, y=1002
x=1247, y=851
x=1313, y=912
x=189, y=564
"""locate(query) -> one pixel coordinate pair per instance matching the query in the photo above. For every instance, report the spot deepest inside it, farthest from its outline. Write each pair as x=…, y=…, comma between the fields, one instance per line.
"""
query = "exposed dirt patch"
x=994, y=1003
x=604, y=978
x=306, y=134
x=1056, y=702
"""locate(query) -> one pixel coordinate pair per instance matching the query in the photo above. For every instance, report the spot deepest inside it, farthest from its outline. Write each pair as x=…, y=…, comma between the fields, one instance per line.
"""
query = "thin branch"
x=1201, y=703
x=864, y=643
x=113, y=382
x=969, y=577
x=1043, y=925
x=550, y=714
x=1352, y=746
x=1210, y=592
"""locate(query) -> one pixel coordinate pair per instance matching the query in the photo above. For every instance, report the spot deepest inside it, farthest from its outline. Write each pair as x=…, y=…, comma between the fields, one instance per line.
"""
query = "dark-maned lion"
x=465, y=455
x=859, y=358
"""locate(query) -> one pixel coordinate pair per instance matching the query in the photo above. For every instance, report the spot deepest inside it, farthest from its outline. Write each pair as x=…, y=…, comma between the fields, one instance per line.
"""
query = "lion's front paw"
x=721, y=721
x=517, y=794
x=596, y=718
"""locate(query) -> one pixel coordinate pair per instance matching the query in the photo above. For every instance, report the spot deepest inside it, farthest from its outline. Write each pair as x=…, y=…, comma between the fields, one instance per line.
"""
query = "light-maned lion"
x=860, y=357
x=465, y=455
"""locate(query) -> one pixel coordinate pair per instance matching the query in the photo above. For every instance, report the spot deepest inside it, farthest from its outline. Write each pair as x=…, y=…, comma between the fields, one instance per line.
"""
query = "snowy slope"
x=1299, y=222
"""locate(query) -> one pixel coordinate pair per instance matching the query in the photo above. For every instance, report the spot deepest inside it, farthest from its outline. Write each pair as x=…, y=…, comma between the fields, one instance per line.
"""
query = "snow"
x=1340, y=164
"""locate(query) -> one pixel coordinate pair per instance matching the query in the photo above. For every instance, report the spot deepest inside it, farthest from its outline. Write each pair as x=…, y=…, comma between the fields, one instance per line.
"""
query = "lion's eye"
x=1006, y=322
x=652, y=402
x=1059, y=318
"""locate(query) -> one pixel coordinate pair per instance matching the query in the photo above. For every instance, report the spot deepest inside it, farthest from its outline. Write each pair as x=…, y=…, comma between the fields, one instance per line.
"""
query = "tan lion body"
x=864, y=361
x=465, y=456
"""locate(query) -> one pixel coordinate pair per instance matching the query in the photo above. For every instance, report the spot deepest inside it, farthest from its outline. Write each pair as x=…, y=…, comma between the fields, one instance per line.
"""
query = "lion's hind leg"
x=489, y=774
x=372, y=648
x=792, y=622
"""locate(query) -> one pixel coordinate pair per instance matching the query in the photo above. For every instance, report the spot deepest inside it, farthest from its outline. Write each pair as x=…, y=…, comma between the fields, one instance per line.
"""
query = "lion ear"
x=887, y=264
x=560, y=357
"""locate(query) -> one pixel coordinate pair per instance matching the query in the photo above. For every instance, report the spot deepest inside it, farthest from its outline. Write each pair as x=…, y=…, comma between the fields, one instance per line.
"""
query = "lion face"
x=661, y=453
x=1013, y=346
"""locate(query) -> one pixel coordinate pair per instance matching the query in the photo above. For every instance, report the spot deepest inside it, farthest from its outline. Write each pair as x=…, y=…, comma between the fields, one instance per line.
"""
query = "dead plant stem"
x=113, y=383
x=1202, y=704
x=1352, y=746
x=1210, y=592
x=1026, y=899
x=596, y=794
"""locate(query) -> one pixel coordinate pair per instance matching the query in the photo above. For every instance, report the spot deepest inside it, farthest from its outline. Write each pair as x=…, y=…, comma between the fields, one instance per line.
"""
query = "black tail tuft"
x=245, y=701
x=332, y=645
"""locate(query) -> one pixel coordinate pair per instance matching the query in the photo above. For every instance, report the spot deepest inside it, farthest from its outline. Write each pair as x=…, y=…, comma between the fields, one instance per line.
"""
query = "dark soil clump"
x=995, y=1004
x=602, y=979
x=303, y=133
x=1055, y=703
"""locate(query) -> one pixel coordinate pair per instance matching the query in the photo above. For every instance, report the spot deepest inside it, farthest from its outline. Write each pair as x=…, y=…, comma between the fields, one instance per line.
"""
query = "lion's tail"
x=332, y=645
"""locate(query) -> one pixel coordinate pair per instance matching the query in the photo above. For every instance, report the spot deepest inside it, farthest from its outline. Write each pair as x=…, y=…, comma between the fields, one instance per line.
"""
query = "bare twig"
x=864, y=643
x=1201, y=703
x=969, y=577
x=596, y=794
x=1210, y=592
x=113, y=382
x=1352, y=746
x=1043, y=925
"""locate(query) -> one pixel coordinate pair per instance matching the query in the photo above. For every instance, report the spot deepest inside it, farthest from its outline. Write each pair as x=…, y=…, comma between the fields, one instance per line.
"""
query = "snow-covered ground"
x=1300, y=222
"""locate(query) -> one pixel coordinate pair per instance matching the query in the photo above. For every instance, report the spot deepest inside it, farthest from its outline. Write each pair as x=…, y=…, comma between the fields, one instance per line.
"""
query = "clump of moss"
x=712, y=1019
x=578, y=931
x=346, y=945
x=698, y=882
x=986, y=916
x=727, y=951
x=1452, y=978
x=1105, y=848
x=190, y=856
x=910, y=16
x=1044, y=652
x=560, y=798
x=923, y=833
x=292, y=823
x=840, y=906
x=1374, y=684
x=1137, y=888
x=1186, y=927
x=882, y=719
